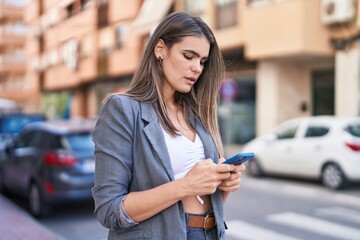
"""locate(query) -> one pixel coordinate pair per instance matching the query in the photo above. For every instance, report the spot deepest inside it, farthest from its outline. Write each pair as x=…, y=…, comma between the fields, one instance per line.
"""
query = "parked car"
x=324, y=147
x=11, y=123
x=49, y=163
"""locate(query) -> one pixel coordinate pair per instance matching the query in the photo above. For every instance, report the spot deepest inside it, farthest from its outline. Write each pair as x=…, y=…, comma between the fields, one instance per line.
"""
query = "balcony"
x=8, y=40
x=285, y=29
x=10, y=12
x=74, y=27
x=12, y=87
x=12, y=67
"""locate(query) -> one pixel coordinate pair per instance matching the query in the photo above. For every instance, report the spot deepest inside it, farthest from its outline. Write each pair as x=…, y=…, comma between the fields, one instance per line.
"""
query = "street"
x=264, y=209
x=273, y=208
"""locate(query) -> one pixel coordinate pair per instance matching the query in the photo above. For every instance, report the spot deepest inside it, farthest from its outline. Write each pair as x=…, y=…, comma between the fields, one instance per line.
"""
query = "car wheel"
x=254, y=168
x=333, y=177
x=37, y=206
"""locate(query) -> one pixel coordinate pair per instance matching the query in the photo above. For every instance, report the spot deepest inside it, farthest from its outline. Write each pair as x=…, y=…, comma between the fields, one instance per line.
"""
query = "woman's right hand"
x=205, y=177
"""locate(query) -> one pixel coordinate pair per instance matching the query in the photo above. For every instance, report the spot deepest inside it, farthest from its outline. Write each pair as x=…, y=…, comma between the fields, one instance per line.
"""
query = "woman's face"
x=183, y=64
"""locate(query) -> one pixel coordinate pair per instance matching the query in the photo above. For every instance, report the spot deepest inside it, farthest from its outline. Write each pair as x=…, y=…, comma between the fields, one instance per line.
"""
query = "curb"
x=16, y=224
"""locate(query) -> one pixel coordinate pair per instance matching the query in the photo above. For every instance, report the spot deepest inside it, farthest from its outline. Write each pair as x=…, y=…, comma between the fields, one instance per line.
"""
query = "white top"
x=184, y=153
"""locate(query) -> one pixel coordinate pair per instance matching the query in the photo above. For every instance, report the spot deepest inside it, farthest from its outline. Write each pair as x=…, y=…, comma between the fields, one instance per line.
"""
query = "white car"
x=320, y=147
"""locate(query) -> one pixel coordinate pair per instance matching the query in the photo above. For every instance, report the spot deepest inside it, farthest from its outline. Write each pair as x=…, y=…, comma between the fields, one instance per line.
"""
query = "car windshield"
x=78, y=142
x=354, y=129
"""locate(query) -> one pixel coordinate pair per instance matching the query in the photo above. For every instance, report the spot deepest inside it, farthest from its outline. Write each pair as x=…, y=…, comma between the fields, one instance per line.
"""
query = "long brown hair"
x=202, y=100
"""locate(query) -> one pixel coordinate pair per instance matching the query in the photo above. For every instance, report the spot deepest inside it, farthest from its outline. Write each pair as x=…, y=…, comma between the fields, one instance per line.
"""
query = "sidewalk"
x=17, y=224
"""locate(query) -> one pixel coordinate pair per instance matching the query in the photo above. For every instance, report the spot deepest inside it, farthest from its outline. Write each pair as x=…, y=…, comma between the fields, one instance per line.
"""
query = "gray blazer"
x=131, y=155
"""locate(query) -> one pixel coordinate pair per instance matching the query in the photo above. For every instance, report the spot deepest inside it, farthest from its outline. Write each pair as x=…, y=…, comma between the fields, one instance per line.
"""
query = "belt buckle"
x=205, y=221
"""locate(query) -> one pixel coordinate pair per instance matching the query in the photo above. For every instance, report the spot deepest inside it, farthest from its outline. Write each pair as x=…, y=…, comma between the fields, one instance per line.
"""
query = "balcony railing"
x=11, y=12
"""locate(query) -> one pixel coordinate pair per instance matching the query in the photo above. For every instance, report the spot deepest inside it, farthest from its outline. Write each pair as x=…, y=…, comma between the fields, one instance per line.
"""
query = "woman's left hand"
x=232, y=183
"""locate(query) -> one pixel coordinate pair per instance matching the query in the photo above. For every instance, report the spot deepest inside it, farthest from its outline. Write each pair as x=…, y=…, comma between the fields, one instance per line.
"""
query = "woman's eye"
x=203, y=63
x=188, y=57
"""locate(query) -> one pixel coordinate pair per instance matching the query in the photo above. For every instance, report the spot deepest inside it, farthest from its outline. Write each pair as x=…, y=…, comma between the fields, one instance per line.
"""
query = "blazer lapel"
x=208, y=143
x=155, y=136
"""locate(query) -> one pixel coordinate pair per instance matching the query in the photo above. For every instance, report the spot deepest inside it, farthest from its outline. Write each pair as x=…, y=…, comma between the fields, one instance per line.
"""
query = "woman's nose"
x=196, y=67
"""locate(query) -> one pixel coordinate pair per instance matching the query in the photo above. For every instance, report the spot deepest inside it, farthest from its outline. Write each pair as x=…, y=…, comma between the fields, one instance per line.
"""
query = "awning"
x=150, y=15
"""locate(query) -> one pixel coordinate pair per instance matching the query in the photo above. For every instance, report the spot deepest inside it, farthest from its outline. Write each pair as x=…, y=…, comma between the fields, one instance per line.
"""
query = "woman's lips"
x=191, y=79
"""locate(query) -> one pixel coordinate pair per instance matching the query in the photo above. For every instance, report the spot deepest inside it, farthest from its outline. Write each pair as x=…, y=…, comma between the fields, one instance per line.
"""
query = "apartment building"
x=12, y=52
x=285, y=58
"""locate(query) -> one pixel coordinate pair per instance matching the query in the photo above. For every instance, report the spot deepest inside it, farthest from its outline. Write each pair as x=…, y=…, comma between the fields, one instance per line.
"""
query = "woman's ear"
x=159, y=49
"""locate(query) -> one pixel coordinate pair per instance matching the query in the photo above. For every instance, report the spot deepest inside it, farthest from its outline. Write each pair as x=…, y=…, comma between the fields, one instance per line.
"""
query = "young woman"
x=158, y=146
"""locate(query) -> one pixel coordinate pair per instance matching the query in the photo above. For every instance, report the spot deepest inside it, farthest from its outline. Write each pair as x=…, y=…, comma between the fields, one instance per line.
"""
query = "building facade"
x=12, y=51
x=285, y=58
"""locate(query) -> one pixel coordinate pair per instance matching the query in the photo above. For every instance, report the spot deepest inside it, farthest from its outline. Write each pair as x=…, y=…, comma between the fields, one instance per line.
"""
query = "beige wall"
x=347, y=82
x=125, y=60
x=120, y=10
x=74, y=27
x=284, y=29
x=282, y=87
x=267, y=102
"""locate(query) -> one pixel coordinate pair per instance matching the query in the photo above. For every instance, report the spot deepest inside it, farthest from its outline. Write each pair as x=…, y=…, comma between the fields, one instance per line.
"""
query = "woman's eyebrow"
x=195, y=53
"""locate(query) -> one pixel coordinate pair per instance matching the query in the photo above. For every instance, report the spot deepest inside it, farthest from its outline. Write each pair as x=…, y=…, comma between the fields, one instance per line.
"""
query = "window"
x=35, y=63
x=17, y=28
x=236, y=112
x=354, y=129
x=256, y=3
x=86, y=4
x=38, y=140
x=53, y=57
x=106, y=40
x=194, y=7
x=323, y=92
x=54, y=141
x=33, y=139
x=69, y=53
x=53, y=16
x=78, y=141
x=316, y=131
x=120, y=31
x=86, y=46
x=70, y=10
x=15, y=56
x=288, y=131
x=24, y=141
x=101, y=2
x=226, y=13
x=20, y=3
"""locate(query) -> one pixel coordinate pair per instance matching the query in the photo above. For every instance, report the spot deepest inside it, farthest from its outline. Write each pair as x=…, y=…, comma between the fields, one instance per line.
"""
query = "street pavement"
x=17, y=224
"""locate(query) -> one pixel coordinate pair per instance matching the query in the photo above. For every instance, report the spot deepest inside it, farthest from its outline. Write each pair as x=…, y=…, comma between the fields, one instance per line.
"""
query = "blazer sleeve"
x=113, y=138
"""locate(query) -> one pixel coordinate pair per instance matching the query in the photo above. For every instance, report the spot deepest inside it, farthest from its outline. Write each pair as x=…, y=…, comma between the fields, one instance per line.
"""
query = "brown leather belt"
x=206, y=222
